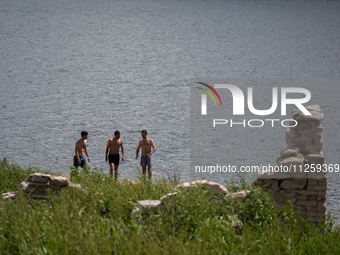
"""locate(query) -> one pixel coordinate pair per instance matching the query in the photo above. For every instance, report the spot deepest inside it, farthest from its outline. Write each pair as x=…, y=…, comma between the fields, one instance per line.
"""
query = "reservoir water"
x=101, y=66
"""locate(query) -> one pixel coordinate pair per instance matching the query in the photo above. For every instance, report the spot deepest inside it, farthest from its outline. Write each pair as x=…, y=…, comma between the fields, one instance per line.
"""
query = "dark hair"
x=144, y=131
x=117, y=132
x=83, y=133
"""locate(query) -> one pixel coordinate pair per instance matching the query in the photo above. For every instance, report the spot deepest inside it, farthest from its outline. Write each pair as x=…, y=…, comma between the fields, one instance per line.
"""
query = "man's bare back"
x=80, y=147
x=80, y=150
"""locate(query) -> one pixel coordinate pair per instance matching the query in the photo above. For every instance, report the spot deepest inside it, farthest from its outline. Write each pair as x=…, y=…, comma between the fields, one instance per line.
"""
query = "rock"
x=289, y=184
x=237, y=224
x=29, y=178
x=216, y=188
x=9, y=195
x=38, y=184
x=169, y=198
x=75, y=185
x=41, y=197
x=275, y=185
x=185, y=185
x=291, y=161
x=150, y=206
x=199, y=182
x=315, y=111
x=58, y=181
x=289, y=152
x=239, y=196
x=40, y=177
x=26, y=187
x=135, y=213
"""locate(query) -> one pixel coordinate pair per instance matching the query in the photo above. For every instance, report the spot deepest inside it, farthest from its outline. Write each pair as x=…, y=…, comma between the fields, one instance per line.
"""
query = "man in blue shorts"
x=146, y=159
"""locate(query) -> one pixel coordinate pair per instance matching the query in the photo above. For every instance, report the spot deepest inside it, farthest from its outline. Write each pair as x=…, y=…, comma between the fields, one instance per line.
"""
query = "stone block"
x=312, y=182
x=301, y=197
x=321, y=208
x=321, y=193
x=289, y=152
x=307, y=192
x=322, y=183
x=321, y=214
x=318, y=159
x=291, y=184
x=290, y=193
x=58, y=181
x=321, y=199
x=316, y=187
x=150, y=206
x=306, y=202
x=29, y=178
x=216, y=188
x=275, y=185
x=26, y=187
x=169, y=198
x=312, y=198
x=308, y=214
x=9, y=195
x=40, y=177
x=321, y=203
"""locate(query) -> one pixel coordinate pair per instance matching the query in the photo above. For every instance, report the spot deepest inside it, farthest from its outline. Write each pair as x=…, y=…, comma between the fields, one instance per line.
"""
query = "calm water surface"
x=101, y=66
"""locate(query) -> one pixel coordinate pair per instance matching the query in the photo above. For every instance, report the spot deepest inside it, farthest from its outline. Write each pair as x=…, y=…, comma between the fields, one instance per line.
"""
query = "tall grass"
x=96, y=220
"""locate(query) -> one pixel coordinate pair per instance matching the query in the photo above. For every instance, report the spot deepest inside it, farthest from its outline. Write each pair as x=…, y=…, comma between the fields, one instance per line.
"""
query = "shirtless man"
x=78, y=159
x=146, y=159
x=113, y=145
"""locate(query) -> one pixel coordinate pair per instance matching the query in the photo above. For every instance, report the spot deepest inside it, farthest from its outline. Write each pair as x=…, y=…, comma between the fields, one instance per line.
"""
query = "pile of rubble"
x=147, y=207
x=38, y=185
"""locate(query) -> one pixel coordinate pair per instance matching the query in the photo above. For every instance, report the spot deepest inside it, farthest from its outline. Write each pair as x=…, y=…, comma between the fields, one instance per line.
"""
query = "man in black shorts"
x=113, y=146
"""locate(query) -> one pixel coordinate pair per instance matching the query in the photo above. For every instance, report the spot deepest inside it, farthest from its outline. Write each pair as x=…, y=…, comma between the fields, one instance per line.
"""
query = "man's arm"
x=137, y=150
x=123, y=151
x=107, y=149
x=153, y=146
x=77, y=154
x=85, y=150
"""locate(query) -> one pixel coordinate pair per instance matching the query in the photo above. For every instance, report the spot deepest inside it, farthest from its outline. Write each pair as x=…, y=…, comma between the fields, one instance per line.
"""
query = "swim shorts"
x=114, y=159
x=146, y=161
x=82, y=161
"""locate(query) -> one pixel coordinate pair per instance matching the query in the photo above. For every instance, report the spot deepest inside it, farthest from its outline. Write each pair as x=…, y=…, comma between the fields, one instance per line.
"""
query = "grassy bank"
x=98, y=221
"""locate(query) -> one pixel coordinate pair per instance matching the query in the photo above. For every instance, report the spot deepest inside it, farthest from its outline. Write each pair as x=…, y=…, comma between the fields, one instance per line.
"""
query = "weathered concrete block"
x=58, y=181
x=9, y=195
x=40, y=177
x=150, y=206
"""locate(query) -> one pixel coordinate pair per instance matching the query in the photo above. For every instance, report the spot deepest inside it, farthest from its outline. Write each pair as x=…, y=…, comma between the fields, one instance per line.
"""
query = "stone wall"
x=305, y=181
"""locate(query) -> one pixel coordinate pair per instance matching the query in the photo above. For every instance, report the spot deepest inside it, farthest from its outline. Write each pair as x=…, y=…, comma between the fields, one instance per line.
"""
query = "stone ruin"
x=147, y=207
x=305, y=189
x=38, y=185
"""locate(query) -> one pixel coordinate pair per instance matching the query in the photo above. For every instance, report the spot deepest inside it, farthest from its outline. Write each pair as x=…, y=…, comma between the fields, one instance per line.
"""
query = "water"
x=101, y=66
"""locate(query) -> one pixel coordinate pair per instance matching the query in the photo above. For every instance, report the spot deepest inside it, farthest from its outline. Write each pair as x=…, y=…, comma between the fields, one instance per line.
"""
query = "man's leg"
x=149, y=171
x=116, y=172
x=144, y=170
x=111, y=169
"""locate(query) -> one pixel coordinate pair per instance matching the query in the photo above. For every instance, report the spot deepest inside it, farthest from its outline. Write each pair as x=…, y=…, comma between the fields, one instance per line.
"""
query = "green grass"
x=96, y=220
